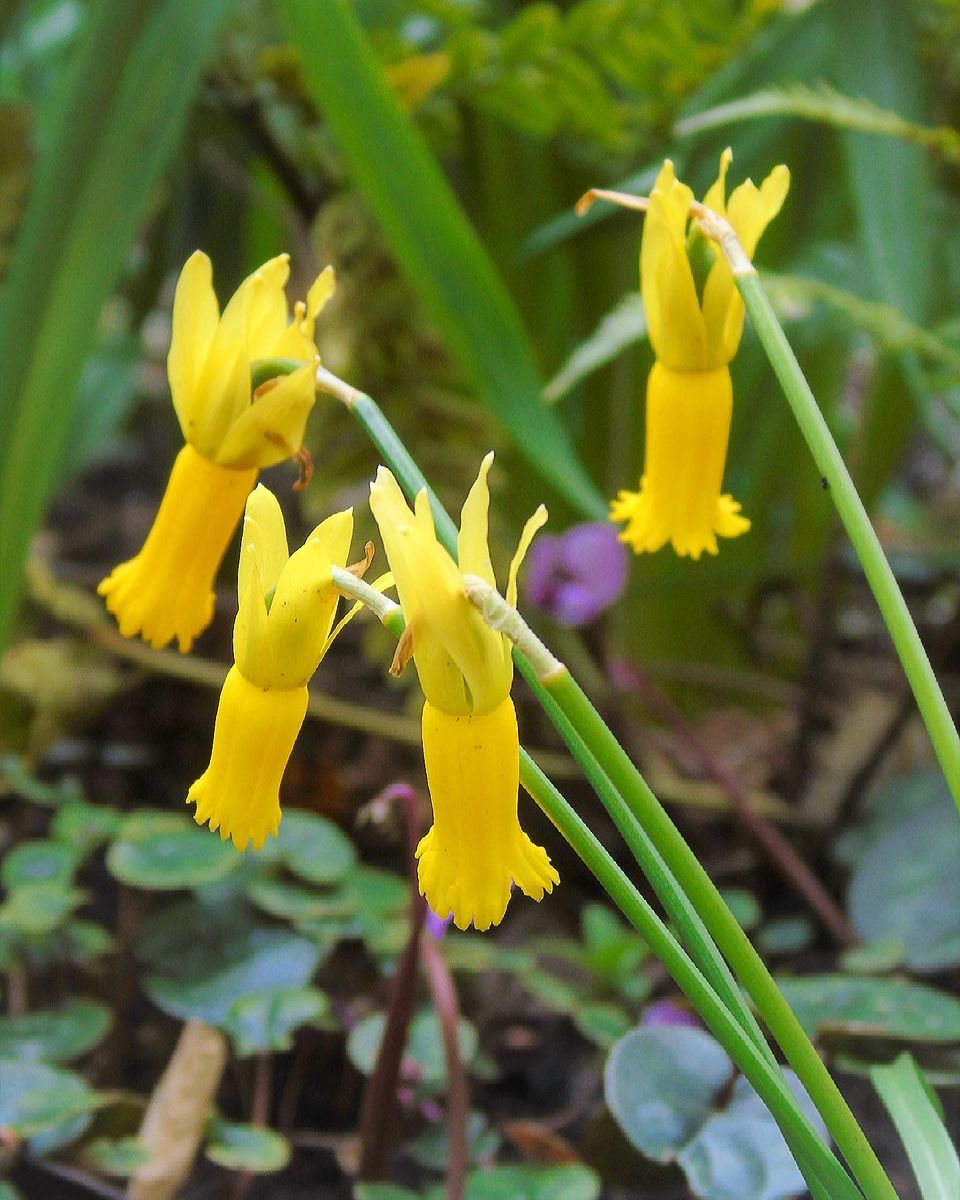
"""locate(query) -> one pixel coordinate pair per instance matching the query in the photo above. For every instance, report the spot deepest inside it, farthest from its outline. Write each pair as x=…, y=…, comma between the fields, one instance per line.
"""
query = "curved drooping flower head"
x=475, y=849
x=282, y=631
x=231, y=432
x=693, y=330
x=694, y=334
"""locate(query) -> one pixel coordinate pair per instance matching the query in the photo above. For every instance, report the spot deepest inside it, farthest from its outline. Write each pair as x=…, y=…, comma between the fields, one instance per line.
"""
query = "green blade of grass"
x=913, y=1108
x=432, y=239
x=875, y=60
x=122, y=110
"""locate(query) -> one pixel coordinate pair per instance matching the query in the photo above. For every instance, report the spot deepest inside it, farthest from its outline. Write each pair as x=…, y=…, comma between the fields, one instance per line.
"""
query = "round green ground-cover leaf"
x=375, y=892
x=906, y=886
x=432, y=1147
x=38, y=862
x=82, y=941
x=295, y=902
x=256, y=960
x=163, y=852
x=889, y=1008
x=312, y=848
x=899, y=803
x=740, y=1154
x=660, y=1084
x=84, y=826
x=424, y=1046
x=613, y=951
x=369, y=904
x=116, y=1156
x=573, y=1182
x=267, y=1020
x=52, y=1035
x=602, y=1022
x=744, y=906
x=785, y=935
x=15, y=777
x=63, y=1133
x=33, y=909
x=247, y=1148
x=34, y=1097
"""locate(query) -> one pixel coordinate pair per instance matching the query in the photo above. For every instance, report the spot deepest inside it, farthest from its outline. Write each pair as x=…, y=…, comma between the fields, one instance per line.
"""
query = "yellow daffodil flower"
x=282, y=631
x=166, y=591
x=475, y=849
x=689, y=395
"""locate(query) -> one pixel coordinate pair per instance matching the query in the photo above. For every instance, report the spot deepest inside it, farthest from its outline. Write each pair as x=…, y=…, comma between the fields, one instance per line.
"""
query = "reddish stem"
x=378, y=1113
x=444, y=994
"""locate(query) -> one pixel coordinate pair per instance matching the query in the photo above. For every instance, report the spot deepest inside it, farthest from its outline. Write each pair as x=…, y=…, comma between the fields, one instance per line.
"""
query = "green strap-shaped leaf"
x=914, y=1110
x=121, y=111
x=875, y=59
x=432, y=239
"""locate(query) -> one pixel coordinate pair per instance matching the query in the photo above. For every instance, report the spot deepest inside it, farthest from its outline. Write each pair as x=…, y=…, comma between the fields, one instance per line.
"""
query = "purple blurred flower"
x=577, y=574
x=668, y=1012
x=437, y=926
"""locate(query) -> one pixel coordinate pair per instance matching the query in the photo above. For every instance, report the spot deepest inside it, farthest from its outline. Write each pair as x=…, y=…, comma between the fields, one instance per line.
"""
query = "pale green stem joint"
x=502, y=618
x=382, y=607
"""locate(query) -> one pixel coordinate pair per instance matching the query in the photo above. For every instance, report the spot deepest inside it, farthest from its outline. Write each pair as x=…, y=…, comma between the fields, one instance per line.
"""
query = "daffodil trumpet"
x=475, y=851
x=283, y=629
x=242, y=384
x=695, y=334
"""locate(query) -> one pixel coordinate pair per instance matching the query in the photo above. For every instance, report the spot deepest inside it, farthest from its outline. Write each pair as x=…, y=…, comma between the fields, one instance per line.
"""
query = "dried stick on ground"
x=178, y=1111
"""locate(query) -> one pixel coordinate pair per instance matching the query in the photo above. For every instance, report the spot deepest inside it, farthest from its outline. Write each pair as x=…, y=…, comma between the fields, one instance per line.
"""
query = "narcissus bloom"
x=282, y=631
x=694, y=335
x=231, y=432
x=475, y=849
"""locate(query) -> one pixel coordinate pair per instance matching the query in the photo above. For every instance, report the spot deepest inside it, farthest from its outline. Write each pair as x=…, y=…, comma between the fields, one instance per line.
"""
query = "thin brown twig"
x=781, y=853
x=444, y=993
x=378, y=1113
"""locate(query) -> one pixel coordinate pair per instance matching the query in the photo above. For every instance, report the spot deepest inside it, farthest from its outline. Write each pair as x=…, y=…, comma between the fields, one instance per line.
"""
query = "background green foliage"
x=432, y=151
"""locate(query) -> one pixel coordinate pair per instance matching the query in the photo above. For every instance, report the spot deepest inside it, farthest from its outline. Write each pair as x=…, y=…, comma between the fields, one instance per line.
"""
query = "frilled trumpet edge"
x=476, y=849
x=166, y=591
x=239, y=793
x=688, y=427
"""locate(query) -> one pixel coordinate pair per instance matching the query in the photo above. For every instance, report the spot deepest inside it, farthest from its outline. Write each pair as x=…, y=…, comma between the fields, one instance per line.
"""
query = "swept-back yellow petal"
x=195, y=317
x=305, y=602
x=533, y=524
x=473, y=550
x=264, y=539
x=674, y=320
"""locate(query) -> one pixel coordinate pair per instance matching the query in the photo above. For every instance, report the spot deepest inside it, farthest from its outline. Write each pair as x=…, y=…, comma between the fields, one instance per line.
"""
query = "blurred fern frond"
x=828, y=106
x=597, y=74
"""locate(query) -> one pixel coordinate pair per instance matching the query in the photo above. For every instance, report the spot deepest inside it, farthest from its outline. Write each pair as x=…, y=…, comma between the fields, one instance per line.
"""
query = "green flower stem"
x=708, y=958
x=693, y=934
x=893, y=607
x=726, y=931
x=824, y=1174
x=830, y=1181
